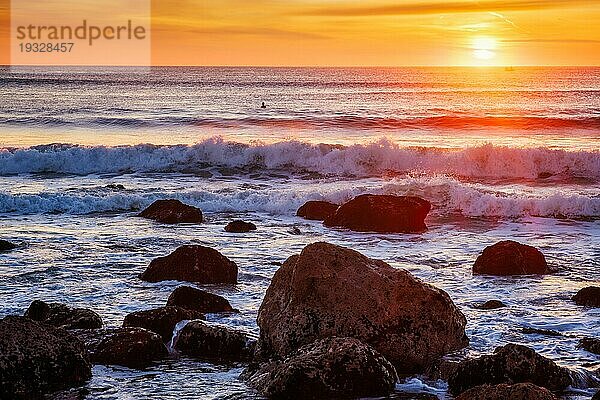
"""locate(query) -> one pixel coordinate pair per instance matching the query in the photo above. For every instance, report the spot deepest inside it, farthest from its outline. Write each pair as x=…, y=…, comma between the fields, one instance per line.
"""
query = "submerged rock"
x=36, y=359
x=381, y=213
x=329, y=290
x=63, y=316
x=214, y=342
x=172, y=212
x=590, y=344
x=327, y=368
x=192, y=263
x=161, y=320
x=240, y=227
x=199, y=300
x=6, y=246
x=510, y=258
x=490, y=305
x=538, y=331
x=588, y=296
x=317, y=210
x=509, y=364
x=519, y=391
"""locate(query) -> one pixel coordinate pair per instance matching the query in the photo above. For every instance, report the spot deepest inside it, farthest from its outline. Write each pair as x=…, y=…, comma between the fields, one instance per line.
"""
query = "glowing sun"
x=483, y=48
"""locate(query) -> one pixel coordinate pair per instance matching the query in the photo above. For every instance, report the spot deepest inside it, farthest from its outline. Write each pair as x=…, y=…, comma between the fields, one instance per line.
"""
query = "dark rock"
x=509, y=364
x=161, y=320
x=6, y=246
x=329, y=290
x=381, y=213
x=240, y=227
x=213, y=342
x=193, y=264
x=63, y=316
x=519, y=391
x=537, y=331
x=490, y=305
x=36, y=359
x=590, y=344
x=135, y=348
x=199, y=300
x=510, y=258
x=588, y=296
x=327, y=368
x=317, y=210
x=172, y=212
x=596, y=396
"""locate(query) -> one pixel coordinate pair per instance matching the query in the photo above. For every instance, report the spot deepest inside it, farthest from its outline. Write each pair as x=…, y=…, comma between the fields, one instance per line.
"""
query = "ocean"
x=500, y=153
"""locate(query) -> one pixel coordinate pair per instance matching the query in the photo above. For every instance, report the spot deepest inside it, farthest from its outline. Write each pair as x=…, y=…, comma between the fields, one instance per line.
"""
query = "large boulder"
x=519, y=391
x=192, y=263
x=214, y=342
x=172, y=212
x=590, y=344
x=317, y=210
x=161, y=320
x=510, y=258
x=238, y=226
x=509, y=364
x=588, y=296
x=36, y=359
x=6, y=246
x=199, y=300
x=63, y=316
x=330, y=290
x=327, y=368
x=381, y=213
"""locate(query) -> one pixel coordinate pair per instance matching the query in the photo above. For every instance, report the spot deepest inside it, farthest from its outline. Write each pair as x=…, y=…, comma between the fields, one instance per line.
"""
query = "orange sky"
x=374, y=32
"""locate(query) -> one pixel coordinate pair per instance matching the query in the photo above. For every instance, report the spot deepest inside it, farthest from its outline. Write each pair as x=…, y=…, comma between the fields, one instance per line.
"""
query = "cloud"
x=551, y=41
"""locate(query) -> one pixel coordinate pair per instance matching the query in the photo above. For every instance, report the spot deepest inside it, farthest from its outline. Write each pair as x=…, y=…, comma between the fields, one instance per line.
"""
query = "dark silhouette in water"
x=263, y=105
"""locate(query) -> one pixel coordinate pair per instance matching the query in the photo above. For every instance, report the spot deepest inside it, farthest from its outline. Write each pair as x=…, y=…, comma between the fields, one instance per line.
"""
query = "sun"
x=484, y=48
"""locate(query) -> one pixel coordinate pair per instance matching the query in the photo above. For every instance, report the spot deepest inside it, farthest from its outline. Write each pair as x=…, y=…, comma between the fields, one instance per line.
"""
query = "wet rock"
x=36, y=359
x=316, y=210
x=538, y=331
x=590, y=344
x=6, y=246
x=172, y=212
x=509, y=364
x=214, y=342
x=193, y=264
x=161, y=320
x=519, y=391
x=327, y=368
x=240, y=227
x=199, y=300
x=596, y=396
x=135, y=348
x=63, y=316
x=381, y=213
x=510, y=258
x=588, y=296
x=490, y=305
x=330, y=290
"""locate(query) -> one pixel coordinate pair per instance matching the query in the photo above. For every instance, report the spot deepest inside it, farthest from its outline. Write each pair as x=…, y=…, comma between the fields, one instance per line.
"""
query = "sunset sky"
x=376, y=32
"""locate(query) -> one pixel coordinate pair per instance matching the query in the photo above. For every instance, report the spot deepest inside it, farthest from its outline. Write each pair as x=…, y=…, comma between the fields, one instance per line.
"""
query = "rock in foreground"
x=199, y=300
x=36, y=359
x=510, y=258
x=63, y=316
x=172, y=212
x=161, y=320
x=214, y=342
x=192, y=264
x=590, y=344
x=6, y=246
x=381, y=213
x=317, y=210
x=240, y=227
x=519, y=391
x=509, y=364
x=329, y=290
x=327, y=368
x=588, y=296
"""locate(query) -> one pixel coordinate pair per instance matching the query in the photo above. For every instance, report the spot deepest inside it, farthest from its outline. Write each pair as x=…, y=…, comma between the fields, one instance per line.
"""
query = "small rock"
x=240, y=227
x=327, y=368
x=172, y=212
x=6, y=246
x=590, y=344
x=213, y=342
x=36, y=359
x=192, y=264
x=317, y=210
x=596, y=396
x=519, y=391
x=199, y=300
x=588, y=296
x=510, y=258
x=509, y=364
x=161, y=320
x=490, y=305
x=537, y=331
x=295, y=231
x=63, y=316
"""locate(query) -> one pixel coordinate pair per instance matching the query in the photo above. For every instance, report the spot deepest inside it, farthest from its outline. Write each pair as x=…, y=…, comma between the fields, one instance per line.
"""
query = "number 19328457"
x=46, y=47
